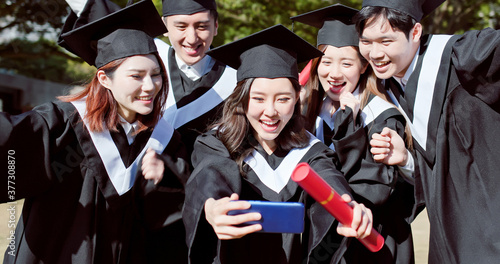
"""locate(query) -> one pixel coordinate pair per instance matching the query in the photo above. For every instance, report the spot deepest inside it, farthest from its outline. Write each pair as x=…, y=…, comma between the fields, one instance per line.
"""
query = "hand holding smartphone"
x=277, y=217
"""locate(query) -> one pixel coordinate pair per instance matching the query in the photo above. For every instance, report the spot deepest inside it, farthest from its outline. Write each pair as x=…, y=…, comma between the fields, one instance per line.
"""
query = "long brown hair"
x=102, y=108
x=375, y=86
x=233, y=127
x=368, y=84
x=315, y=92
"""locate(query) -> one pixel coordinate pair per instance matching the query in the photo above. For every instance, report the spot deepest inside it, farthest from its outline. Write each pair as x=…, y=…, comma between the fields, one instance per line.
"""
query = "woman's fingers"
x=227, y=226
x=362, y=220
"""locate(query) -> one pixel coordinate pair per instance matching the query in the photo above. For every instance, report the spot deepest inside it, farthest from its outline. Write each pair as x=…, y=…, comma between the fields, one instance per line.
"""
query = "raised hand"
x=152, y=166
x=389, y=148
x=347, y=99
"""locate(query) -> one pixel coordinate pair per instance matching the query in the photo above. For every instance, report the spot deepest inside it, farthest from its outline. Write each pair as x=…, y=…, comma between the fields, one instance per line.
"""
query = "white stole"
x=277, y=179
x=178, y=117
x=123, y=177
x=425, y=89
x=372, y=110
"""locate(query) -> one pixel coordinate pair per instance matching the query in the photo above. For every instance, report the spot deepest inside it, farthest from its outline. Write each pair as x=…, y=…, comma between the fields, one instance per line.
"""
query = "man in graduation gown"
x=449, y=89
x=198, y=84
x=267, y=176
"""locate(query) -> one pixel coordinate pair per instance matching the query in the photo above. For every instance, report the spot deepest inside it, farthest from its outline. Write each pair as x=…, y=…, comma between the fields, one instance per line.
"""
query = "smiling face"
x=134, y=85
x=270, y=107
x=389, y=52
x=191, y=35
x=339, y=70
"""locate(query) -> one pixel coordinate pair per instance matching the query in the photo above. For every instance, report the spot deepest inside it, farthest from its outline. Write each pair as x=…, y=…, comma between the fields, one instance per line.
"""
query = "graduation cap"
x=187, y=7
x=417, y=9
x=117, y=34
x=335, y=24
x=271, y=53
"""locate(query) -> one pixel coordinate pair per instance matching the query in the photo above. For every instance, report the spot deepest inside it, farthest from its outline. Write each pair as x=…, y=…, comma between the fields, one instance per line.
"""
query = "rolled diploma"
x=323, y=193
x=304, y=74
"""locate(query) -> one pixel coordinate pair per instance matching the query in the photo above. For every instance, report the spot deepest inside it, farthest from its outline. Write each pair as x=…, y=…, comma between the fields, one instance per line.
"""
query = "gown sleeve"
x=215, y=175
x=370, y=181
x=323, y=164
x=160, y=205
x=322, y=235
x=30, y=141
x=476, y=58
x=378, y=186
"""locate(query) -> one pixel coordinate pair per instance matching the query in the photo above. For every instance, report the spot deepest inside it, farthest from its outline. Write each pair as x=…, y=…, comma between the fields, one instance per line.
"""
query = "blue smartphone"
x=277, y=217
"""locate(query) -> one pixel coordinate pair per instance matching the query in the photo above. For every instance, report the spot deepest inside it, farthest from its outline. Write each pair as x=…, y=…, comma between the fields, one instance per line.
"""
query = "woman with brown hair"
x=78, y=159
x=250, y=155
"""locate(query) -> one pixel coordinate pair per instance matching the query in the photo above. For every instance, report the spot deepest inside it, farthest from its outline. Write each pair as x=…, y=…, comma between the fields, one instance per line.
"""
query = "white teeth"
x=381, y=63
x=270, y=123
x=336, y=84
x=145, y=98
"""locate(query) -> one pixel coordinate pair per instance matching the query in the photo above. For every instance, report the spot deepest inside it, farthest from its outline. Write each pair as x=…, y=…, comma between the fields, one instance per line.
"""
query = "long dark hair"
x=315, y=92
x=233, y=127
x=102, y=108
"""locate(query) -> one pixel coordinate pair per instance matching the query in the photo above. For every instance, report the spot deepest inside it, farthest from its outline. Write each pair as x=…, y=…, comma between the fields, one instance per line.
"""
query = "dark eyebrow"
x=260, y=93
x=179, y=22
x=142, y=70
x=381, y=37
x=203, y=21
x=343, y=57
x=197, y=22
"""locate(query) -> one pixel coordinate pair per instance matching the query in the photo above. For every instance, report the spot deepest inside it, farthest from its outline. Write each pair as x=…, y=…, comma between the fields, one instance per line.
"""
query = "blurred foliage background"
x=29, y=29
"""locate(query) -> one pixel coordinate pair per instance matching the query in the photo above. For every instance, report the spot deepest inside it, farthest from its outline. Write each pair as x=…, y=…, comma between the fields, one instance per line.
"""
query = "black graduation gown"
x=457, y=143
x=192, y=106
x=72, y=212
x=374, y=184
x=217, y=175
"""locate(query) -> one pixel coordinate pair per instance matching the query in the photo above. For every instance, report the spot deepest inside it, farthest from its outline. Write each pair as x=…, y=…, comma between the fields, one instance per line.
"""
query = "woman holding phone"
x=250, y=154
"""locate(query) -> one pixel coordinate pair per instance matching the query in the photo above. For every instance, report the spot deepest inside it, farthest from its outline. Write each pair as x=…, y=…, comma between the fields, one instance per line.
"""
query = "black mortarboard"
x=116, y=34
x=187, y=7
x=271, y=53
x=417, y=9
x=335, y=24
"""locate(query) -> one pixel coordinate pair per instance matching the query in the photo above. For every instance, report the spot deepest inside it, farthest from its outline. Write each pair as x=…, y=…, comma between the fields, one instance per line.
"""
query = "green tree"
x=31, y=16
x=41, y=59
x=28, y=41
x=34, y=51
x=458, y=16
x=239, y=18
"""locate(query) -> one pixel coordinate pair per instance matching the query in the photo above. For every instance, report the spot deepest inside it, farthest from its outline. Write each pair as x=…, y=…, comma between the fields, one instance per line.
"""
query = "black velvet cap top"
x=335, y=24
x=104, y=33
x=186, y=7
x=417, y=9
x=123, y=43
x=271, y=53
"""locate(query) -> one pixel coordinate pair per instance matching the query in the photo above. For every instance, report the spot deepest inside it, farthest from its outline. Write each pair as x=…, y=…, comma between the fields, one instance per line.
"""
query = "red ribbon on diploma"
x=322, y=192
